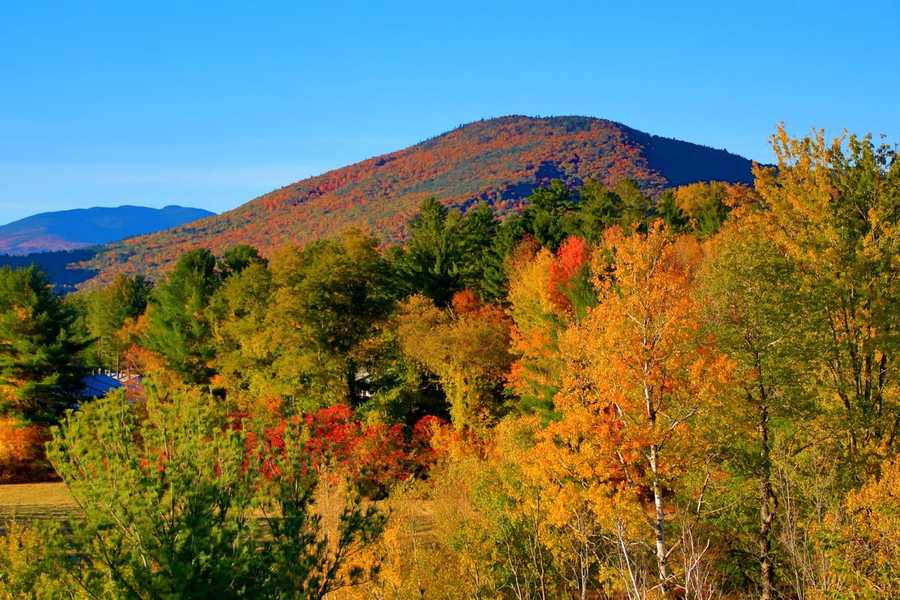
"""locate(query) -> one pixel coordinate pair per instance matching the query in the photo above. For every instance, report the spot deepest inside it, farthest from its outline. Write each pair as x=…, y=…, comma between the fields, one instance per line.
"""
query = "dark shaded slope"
x=684, y=162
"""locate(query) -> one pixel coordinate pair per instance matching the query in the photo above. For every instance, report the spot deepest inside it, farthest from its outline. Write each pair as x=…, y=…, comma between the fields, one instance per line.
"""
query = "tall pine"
x=39, y=347
x=178, y=327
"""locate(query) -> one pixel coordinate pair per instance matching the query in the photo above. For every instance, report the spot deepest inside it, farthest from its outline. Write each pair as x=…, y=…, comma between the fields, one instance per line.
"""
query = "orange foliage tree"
x=22, y=451
x=639, y=376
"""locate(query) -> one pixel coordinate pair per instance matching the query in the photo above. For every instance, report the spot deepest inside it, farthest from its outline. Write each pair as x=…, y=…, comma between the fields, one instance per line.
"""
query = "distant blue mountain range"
x=84, y=227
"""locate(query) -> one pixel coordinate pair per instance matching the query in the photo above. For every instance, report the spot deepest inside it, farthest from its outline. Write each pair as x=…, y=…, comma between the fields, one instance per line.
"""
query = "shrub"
x=22, y=457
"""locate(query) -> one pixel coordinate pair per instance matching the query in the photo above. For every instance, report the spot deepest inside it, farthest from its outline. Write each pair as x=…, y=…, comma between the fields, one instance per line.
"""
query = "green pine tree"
x=178, y=326
x=39, y=346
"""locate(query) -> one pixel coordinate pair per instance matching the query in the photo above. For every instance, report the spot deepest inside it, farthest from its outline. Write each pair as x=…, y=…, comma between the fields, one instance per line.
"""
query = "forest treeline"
x=610, y=394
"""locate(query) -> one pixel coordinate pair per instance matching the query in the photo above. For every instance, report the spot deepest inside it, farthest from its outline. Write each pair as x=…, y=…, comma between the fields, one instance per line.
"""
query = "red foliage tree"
x=568, y=272
x=372, y=456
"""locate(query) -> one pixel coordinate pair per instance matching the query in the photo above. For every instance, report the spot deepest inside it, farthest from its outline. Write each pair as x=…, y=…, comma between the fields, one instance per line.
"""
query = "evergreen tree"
x=106, y=310
x=494, y=283
x=600, y=208
x=39, y=346
x=477, y=231
x=667, y=209
x=179, y=329
x=546, y=212
x=435, y=259
x=637, y=208
x=181, y=501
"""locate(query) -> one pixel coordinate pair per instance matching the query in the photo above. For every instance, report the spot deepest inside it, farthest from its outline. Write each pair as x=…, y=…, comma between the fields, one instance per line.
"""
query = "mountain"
x=84, y=227
x=498, y=161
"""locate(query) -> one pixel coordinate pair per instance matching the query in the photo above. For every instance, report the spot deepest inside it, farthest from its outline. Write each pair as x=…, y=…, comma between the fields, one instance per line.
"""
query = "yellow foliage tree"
x=537, y=371
x=466, y=346
x=639, y=379
x=866, y=537
x=834, y=213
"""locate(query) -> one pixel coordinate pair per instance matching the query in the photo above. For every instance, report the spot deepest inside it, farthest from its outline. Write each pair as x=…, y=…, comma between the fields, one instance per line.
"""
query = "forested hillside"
x=497, y=161
x=616, y=392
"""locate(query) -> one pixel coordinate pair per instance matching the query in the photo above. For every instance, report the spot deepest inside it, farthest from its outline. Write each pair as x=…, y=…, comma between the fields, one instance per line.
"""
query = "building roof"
x=98, y=385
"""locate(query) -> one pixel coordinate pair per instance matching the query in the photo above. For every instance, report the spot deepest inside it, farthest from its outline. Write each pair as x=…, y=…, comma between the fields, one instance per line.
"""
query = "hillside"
x=60, y=266
x=80, y=228
x=499, y=161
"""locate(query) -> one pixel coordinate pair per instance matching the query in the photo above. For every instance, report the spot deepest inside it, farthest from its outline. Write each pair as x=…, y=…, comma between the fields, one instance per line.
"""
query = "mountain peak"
x=499, y=161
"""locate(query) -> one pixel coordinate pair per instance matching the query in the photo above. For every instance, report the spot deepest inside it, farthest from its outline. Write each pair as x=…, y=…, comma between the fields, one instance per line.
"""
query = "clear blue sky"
x=214, y=103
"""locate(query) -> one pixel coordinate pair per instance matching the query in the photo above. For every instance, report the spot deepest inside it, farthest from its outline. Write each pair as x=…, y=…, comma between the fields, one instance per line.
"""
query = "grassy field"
x=29, y=501
x=25, y=502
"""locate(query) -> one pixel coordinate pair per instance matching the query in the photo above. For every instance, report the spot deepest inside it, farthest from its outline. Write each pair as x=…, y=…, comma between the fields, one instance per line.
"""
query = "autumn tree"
x=704, y=206
x=466, y=346
x=834, y=209
x=536, y=373
x=638, y=380
x=22, y=457
x=487, y=536
x=571, y=289
x=756, y=313
x=548, y=292
x=33, y=562
x=577, y=483
x=864, y=536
